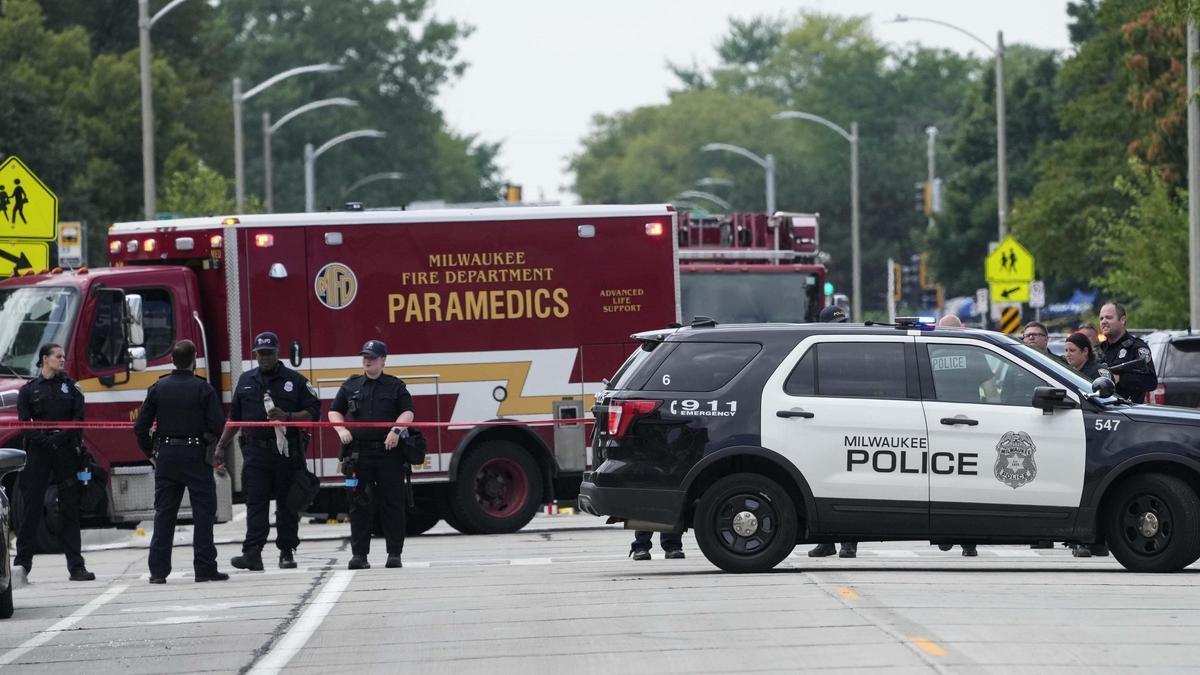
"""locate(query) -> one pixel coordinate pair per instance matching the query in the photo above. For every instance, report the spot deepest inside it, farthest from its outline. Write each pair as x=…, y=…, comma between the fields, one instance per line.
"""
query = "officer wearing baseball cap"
x=833, y=314
x=271, y=392
x=371, y=455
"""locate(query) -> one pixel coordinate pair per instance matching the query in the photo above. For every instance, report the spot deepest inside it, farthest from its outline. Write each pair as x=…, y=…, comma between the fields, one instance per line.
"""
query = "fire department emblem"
x=1014, y=462
x=336, y=285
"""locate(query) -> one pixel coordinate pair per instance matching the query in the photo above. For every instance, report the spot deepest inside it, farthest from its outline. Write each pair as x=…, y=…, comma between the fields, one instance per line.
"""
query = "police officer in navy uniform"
x=1136, y=375
x=272, y=455
x=378, y=463
x=834, y=314
x=51, y=396
x=186, y=413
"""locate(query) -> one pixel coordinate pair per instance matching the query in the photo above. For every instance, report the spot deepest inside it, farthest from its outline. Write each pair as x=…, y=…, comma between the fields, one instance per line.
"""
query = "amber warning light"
x=264, y=240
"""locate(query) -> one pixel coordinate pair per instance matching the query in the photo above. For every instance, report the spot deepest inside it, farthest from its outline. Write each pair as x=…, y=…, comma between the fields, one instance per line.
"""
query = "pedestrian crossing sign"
x=28, y=208
x=1009, y=263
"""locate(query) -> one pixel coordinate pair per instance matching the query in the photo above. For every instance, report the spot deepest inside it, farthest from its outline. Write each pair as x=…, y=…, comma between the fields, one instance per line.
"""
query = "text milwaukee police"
x=493, y=267
x=905, y=454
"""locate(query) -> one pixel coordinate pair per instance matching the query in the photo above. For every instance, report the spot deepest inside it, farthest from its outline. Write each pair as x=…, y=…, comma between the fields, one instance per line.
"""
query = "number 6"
x=666, y=379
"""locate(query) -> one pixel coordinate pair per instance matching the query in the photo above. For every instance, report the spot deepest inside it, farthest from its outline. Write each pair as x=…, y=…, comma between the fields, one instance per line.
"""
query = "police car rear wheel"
x=1153, y=524
x=745, y=523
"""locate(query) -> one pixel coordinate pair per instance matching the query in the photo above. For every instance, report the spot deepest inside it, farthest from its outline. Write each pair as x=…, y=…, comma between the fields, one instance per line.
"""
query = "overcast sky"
x=540, y=69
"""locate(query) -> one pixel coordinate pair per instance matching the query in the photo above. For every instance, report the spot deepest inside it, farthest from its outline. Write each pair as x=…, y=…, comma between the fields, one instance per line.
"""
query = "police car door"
x=998, y=466
x=846, y=411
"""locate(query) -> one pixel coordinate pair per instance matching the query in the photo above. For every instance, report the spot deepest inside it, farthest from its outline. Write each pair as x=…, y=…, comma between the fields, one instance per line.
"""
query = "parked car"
x=1176, y=356
x=11, y=460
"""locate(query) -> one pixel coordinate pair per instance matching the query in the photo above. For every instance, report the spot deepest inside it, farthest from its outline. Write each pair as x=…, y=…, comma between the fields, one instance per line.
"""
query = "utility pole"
x=1193, y=145
x=930, y=151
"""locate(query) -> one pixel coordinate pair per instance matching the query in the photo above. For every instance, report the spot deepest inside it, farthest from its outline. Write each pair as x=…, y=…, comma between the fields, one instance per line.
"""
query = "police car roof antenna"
x=703, y=322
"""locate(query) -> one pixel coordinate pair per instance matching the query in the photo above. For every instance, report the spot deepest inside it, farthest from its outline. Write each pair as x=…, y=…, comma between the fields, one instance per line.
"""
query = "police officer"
x=834, y=314
x=187, y=414
x=378, y=464
x=1126, y=356
x=50, y=397
x=273, y=455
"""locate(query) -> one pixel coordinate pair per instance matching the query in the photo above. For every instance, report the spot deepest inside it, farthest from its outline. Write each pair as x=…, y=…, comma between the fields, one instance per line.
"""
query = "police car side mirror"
x=1103, y=387
x=1049, y=399
x=11, y=460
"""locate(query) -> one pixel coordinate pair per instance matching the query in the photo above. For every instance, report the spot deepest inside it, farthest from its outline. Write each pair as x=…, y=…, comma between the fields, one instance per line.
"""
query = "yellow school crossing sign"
x=1009, y=270
x=28, y=209
x=18, y=255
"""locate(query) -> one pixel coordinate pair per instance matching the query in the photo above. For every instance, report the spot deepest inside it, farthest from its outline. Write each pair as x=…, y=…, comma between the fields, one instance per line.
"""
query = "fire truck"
x=511, y=315
x=751, y=267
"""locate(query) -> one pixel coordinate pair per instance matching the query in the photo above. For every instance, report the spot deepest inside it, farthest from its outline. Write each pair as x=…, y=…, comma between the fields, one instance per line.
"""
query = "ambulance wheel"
x=47, y=541
x=1153, y=524
x=745, y=523
x=499, y=488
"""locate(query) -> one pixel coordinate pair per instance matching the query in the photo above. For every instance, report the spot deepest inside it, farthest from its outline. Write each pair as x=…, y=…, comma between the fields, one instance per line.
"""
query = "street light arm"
x=796, y=114
x=385, y=175
x=713, y=180
x=348, y=136
x=737, y=150
x=700, y=194
x=900, y=18
x=162, y=12
x=315, y=68
x=308, y=107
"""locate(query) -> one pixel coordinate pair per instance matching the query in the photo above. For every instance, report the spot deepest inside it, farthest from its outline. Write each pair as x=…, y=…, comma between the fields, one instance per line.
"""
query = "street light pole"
x=270, y=129
x=239, y=160
x=931, y=170
x=149, y=181
x=1001, y=136
x=767, y=163
x=855, y=249
x=310, y=161
x=1193, y=145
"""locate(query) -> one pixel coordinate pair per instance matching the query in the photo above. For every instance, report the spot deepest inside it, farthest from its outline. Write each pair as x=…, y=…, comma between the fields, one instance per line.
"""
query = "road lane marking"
x=530, y=561
x=846, y=593
x=893, y=553
x=64, y=624
x=1014, y=553
x=929, y=647
x=291, y=644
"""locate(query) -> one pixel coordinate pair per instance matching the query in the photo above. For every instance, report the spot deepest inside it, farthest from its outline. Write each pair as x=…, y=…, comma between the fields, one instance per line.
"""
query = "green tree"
x=1150, y=269
x=196, y=190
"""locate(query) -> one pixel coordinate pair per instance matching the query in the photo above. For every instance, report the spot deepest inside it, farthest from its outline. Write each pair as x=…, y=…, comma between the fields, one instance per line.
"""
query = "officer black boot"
x=970, y=551
x=82, y=574
x=849, y=550
x=822, y=551
x=639, y=554
x=675, y=554
x=358, y=562
x=393, y=561
x=249, y=560
x=287, y=559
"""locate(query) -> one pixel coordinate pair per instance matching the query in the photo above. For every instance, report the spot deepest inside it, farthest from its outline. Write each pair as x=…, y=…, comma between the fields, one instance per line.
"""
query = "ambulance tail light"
x=622, y=413
x=1158, y=396
x=655, y=229
x=264, y=240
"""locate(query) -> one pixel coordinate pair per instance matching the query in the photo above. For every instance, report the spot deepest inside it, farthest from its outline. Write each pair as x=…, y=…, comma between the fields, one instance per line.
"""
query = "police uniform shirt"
x=184, y=405
x=1137, y=379
x=56, y=399
x=290, y=392
x=379, y=400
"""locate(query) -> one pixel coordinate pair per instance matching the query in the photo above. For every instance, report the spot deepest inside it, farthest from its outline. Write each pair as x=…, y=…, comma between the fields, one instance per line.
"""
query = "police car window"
x=861, y=369
x=969, y=374
x=631, y=366
x=701, y=366
x=158, y=321
x=803, y=379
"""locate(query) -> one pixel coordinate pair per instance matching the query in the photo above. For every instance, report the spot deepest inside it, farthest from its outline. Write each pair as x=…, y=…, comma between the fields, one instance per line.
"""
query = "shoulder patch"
x=78, y=388
x=311, y=389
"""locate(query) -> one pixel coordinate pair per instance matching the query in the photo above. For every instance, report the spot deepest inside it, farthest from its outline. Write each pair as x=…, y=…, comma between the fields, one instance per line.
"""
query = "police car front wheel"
x=745, y=523
x=1153, y=524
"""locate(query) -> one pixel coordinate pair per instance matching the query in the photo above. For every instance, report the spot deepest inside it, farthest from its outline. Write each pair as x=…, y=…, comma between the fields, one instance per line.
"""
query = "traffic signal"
x=897, y=282
x=512, y=193
x=828, y=288
x=919, y=196
x=923, y=270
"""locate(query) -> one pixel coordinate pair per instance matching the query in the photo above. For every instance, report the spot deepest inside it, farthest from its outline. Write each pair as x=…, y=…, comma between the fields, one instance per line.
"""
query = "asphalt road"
x=562, y=597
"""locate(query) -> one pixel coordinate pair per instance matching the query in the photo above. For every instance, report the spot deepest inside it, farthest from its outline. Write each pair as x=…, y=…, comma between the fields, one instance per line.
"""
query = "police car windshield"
x=1064, y=372
x=31, y=316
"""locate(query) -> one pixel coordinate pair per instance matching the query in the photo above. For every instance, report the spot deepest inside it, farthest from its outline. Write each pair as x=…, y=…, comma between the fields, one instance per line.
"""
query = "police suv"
x=760, y=437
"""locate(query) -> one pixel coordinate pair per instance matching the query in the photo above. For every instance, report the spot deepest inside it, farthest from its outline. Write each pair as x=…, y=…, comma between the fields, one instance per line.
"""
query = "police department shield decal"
x=1015, y=465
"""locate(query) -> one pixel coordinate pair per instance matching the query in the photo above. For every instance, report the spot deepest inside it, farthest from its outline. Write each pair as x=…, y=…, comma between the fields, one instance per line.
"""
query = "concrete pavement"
x=562, y=596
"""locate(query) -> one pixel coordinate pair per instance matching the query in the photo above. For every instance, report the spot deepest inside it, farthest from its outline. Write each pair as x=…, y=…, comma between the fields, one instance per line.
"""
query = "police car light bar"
x=917, y=322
